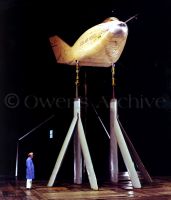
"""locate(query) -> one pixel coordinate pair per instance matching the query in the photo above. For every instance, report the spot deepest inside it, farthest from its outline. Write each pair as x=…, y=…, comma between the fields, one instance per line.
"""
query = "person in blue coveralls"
x=29, y=170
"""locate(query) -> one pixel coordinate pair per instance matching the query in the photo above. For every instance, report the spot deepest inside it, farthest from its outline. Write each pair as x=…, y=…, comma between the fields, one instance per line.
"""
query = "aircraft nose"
x=118, y=28
x=122, y=24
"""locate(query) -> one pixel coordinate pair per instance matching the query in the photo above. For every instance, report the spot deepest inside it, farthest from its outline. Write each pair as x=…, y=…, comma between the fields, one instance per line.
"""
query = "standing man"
x=29, y=170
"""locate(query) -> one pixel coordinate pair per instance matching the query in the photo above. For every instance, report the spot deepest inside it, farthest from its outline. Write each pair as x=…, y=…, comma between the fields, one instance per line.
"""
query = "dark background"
x=34, y=87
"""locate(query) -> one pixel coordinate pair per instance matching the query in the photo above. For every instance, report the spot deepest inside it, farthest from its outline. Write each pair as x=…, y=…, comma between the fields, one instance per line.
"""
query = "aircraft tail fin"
x=61, y=49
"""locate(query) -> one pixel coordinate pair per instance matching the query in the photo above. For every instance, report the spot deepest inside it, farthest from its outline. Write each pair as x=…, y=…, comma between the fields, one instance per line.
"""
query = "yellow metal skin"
x=99, y=46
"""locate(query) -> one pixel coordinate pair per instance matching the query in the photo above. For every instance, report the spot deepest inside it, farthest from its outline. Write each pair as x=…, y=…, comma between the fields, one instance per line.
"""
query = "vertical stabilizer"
x=61, y=49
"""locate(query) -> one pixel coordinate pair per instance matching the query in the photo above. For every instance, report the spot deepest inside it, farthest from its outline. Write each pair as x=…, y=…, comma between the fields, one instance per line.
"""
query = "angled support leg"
x=136, y=157
x=87, y=158
x=62, y=152
x=125, y=154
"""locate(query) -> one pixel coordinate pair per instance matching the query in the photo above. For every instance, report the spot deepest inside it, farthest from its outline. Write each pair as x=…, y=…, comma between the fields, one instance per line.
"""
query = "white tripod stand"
x=80, y=143
x=117, y=139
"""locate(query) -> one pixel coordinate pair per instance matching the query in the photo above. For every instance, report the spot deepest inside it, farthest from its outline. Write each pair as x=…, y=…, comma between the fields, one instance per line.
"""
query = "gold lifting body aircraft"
x=99, y=46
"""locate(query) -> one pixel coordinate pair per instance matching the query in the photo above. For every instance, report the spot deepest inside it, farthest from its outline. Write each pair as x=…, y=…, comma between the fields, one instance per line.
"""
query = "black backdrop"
x=30, y=77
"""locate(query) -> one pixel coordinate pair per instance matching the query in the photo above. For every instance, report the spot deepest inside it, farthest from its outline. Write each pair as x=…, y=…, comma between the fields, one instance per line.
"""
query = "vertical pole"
x=77, y=79
x=87, y=157
x=77, y=147
x=113, y=80
x=113, y=143
x=16, y=165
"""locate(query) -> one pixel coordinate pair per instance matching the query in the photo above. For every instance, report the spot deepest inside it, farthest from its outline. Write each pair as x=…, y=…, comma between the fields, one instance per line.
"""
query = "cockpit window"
x=110, y=19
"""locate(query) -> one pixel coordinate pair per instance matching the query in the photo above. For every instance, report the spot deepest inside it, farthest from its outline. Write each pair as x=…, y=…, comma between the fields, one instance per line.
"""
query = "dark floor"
x=160, y=188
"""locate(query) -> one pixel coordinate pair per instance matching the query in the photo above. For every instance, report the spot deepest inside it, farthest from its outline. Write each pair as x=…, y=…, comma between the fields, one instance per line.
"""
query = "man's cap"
x=30, y=154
